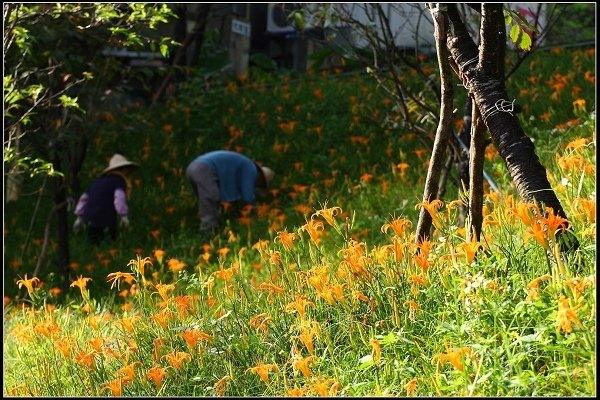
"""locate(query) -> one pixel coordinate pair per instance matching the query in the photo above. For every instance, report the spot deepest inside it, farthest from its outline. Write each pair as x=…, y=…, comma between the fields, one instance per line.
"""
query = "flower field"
x=322, y=292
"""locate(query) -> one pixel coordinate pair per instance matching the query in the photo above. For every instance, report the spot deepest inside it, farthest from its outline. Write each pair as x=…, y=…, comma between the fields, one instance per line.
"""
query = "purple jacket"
x=106, y=198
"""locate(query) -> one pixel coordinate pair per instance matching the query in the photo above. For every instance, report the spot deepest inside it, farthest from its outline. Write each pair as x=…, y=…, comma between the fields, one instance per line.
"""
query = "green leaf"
x=389, y=338
x=366, y=362
x=34, y=91
x=299, y=21
x=514, y=33
x=164, y=50
x=525, y=43
x=69, y=102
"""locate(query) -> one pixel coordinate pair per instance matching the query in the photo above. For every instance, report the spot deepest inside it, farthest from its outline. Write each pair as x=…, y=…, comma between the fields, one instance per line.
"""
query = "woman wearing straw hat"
x=225, y=176
x=105, y=199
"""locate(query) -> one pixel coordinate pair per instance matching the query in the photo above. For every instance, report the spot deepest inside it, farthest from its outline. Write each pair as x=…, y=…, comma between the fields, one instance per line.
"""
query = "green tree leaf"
x=515, y=30
x=525, y=43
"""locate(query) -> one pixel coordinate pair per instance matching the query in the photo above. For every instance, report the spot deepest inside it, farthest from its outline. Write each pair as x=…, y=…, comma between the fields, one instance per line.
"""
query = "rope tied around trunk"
x=462, y=70
x=501, y=105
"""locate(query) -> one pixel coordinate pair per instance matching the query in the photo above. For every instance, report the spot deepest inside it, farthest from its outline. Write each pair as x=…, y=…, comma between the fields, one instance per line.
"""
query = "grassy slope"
x=322, y=154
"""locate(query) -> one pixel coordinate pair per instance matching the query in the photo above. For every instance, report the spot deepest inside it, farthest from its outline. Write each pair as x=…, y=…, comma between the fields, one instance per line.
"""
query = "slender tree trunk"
x=491, y=60
x=462, y=158
x=476, y=159
x=444, y=128
x=515, y=148
x=62, y=226
x=198, y=34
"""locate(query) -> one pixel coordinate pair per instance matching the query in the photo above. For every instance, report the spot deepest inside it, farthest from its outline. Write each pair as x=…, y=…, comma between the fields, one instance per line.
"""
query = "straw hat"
x=268, y=174
x=118, y=161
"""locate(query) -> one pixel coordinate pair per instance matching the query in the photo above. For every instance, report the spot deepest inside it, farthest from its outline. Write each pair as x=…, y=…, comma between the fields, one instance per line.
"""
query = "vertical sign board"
x=240, y=46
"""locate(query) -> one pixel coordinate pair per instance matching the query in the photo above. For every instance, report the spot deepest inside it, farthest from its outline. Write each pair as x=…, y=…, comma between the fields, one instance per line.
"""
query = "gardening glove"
x=124, y=221
x=77, y=225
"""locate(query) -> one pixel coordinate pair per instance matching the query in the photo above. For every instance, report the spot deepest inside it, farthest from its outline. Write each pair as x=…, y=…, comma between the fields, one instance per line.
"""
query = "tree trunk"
x=62, y=226
x=462, y=158
x=515, y=148
x=198, y=34
x=476, y=159
x=444, y=128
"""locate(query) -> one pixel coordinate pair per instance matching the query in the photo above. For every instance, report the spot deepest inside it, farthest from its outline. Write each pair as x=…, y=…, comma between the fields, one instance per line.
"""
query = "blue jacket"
x=237, y=175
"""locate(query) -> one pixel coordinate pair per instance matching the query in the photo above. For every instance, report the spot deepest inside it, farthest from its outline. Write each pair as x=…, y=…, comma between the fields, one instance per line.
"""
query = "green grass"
x=326, y=137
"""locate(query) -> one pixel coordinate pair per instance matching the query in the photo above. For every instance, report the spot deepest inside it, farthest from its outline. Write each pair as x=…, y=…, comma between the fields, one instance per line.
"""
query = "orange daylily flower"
x=286, y=238
x=454, y=357
x=402, y=167
x=184, y=303
x=117, y=277
x=303, y=209
x=376, y=349
x=539, y=234
x=296, y=392
x=49, y=328
x=309, y=331
x=28, y=283
x=65, y=345
x=223, y=251
x=526, y=212
x=301, y=364
x=226, y=274
x=366, y=177
x=81, y=283
x=326, y=388
x=127, y=372
x=470, y=249
x=579, y=105
x=260, y=322
x=329, y=213
x=553, y=223
x=271, y=288
x=331, y=293
x=162, y=318
x=315, y=230
x=398, y=225
x=192, y=336
x=158, y=344
x=128, y=322
x=138, y=265
x=263, y=371
x=85, y=358
x=159, y=255
x=177, y=358
x=97, y=344
x=164, y=289
x=411, y=387
x=219, y=385
x=381, y=253
x=175, y=265
x=533, y=287
x=115, y=386
x=412, y=308
x=565, y=316
x=299, y=305
x=577, y=286
x=432, y=208
x=355, y=257
x=416, y=280
x=157, y=374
